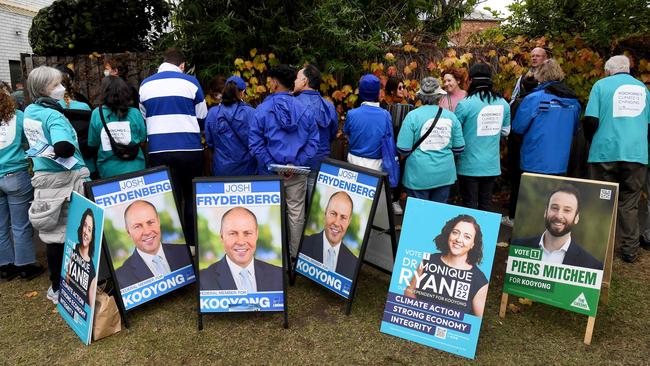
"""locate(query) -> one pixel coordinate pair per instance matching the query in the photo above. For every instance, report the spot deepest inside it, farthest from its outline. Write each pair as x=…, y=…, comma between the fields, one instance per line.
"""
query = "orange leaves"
x=389, y=57
x=409, y=48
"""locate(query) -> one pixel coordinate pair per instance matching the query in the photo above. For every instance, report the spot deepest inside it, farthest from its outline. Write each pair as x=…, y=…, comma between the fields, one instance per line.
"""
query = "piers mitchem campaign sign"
x=559, y=245
x=440, y=280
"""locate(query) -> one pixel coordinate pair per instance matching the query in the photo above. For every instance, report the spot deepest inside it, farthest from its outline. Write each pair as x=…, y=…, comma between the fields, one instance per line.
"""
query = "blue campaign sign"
x=239, y=232
x=81, y=254
x=442, y=270
x=335, y=231
x=144, y=235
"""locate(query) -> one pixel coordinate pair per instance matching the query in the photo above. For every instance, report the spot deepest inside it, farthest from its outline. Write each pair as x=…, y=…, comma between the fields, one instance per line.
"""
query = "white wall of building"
x=16, y=19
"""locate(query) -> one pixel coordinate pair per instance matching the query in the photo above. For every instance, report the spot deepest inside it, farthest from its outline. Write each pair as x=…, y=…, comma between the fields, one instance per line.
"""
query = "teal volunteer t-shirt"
x=129, y=129
x=74, y=104
x=621, y=104
x=12, y=140
x=431, y=165
x=50, y=126
x=482, y=124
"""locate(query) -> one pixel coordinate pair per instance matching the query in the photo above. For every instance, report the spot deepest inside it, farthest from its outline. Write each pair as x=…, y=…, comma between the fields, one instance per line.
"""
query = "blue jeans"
x=16, y=194
x=438, y=194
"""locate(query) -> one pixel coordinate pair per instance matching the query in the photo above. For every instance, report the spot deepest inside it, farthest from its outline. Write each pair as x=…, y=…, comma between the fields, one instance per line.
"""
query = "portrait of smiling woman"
x=460, y=245
x=81, y=268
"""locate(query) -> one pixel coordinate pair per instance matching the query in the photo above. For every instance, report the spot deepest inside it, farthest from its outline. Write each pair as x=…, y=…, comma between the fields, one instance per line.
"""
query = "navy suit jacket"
x=218, y=277
x=575, y=255
x=312, y=246
x=135, y=270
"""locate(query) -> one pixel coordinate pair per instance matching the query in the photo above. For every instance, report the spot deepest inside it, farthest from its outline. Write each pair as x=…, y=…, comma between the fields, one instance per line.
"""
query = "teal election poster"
x=82, y=249
x=440, y=279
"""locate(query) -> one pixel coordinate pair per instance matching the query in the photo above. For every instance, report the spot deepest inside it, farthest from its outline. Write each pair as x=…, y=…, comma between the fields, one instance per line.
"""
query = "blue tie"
x=160, y=268
x=245, y=280
x=330, y=259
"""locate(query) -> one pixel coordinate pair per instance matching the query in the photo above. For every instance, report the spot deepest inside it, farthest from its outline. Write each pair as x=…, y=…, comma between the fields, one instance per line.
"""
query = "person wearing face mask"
x=460, y=246
x=116, y=66
x=53, y=182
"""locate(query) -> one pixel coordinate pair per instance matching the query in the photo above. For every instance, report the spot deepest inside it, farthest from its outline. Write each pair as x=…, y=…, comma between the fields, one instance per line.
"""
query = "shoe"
x=30, y=271
x=397, y=209
x=643, y=243
x=629, y=258
x=507, y=221
x=8, y=272
x=53, y=295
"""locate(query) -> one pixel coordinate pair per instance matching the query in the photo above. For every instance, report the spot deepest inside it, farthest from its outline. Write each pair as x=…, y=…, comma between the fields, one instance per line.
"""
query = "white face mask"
x=106, y=73
x=58, y=92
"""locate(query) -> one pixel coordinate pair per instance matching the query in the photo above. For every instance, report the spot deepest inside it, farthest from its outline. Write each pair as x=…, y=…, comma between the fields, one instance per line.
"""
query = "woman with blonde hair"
x=548, y=119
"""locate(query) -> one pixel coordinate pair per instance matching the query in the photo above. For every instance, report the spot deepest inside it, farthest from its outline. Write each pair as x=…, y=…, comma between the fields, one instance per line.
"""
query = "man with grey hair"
x=616, y=119
x=428, y=139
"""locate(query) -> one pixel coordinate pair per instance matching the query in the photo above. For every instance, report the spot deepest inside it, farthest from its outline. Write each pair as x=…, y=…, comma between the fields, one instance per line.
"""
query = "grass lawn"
x=165, y=332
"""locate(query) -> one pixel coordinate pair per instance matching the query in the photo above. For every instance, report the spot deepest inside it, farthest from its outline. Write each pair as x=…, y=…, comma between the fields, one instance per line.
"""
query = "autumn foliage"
x=509, y=58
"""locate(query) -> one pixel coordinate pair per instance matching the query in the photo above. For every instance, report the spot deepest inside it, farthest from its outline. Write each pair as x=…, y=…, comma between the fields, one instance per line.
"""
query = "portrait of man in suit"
x=150, y=257
x=327, y=246
x=558, y=246
x=238, y=269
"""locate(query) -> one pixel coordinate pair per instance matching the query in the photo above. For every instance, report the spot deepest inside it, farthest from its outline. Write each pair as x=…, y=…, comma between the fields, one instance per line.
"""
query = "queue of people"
x=454, y=135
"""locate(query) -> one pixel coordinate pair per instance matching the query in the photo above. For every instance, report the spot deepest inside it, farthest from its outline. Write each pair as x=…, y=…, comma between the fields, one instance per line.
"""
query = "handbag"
x=121, y=151
x=390, y=157
x=107, y=320
x=424, y=137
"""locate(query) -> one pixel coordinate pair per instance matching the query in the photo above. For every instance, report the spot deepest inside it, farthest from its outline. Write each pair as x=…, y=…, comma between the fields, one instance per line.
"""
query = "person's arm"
x=478, y=302
x=589, y=126
x=257, y=141
x=334, y=126
x=505, y=127
x=591, y=119
x=457, y=138
x=200, y=108
x=525, y=114
x=405, y=136
x=308, y=151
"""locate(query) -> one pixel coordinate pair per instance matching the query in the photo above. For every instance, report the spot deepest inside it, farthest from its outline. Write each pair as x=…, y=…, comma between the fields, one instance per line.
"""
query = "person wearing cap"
x=366, y=125
x=485, y=117
x=430, y=170
x=283, y=132
x=227, y=128
x=306, y=90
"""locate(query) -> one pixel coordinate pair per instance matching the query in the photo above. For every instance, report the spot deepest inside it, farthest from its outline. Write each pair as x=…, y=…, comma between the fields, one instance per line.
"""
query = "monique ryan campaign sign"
x=442, y=270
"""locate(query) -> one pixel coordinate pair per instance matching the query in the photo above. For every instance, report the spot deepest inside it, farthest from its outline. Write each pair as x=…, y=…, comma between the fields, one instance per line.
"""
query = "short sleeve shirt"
x=12, y=139
x=621, y=104
x=431, y=165
x=50, y=126
x=126, y=130
x=482, y=123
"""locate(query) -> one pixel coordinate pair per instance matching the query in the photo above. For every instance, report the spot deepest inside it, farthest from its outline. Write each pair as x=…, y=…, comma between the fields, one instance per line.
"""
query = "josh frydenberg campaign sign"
x=440, y=280
x=560, y=241
x=143, y=234
x=239, y=231
x=81, y=253
x=335, y=231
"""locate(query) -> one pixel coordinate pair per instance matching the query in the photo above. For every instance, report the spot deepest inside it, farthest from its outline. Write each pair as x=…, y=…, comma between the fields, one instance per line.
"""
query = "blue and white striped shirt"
x=174, y=109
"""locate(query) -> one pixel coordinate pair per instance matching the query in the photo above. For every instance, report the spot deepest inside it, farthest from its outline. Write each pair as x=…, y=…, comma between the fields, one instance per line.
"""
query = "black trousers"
x=630, y=177
x=514, y=171
x=183, y=166
x=54, y=253
x=477, y=191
